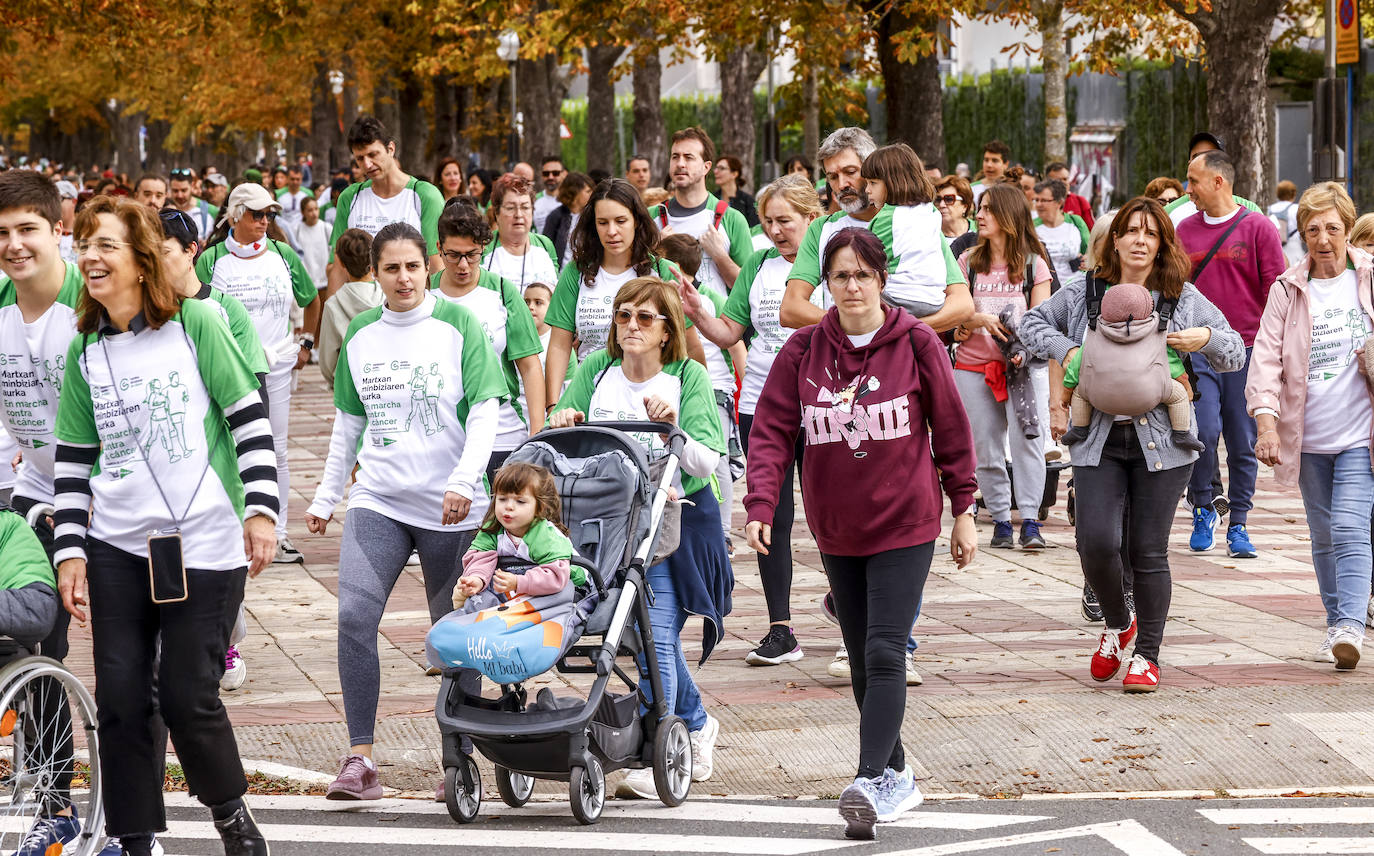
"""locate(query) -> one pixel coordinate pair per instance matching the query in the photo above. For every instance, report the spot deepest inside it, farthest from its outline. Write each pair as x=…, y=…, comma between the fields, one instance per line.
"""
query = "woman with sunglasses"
x=166, y=491
x=954, y=201
x=266, y=276
x=644, y=373
x=519, y=254
x=503, y=315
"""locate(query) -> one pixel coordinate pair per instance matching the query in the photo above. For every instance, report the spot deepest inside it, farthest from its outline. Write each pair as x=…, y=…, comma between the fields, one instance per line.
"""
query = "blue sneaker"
x=897, y=794
x=1238, y=544
x=1204, y=529
x=859, y=808
x=47, y=832
x=1001, y=533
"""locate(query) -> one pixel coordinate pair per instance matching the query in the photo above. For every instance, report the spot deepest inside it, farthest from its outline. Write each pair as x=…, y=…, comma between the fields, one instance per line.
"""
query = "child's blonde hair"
x=518, y=477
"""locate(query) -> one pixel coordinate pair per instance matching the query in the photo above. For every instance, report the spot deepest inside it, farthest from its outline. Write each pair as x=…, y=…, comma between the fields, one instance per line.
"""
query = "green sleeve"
x=24, y=562
x=548, y=248
x=483, y=377
x=522, y=337
x=75, y=410
x=737, y=304
x=244, y=332
x=737, y=230
x=205, y=265
x=281, y=191
x=953, y=273
x=1175, y=363
x=483, y=542
x=698, y=417
x=881, y=226
x=342, y=206
x=547, y=544
x=1172, y=206
x=1071, y=370
x=563, y=306
x=1246, y=203
x=431, y=206
x=301, y=283
x=1084, y=236
x=223, y=368
x=572, y=365
x=578, y=395
x=807, y=266
x=345, y=393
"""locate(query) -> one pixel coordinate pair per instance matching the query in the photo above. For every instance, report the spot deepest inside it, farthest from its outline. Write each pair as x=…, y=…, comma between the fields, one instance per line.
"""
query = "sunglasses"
x=948, y=199
x=643, y=316
x=183, y=173
x=259, y=216
x=552, y=173
x=174, y=215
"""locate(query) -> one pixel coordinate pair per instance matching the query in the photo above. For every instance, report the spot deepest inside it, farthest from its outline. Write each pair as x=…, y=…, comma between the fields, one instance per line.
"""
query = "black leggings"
x=875, y=600
x=775, y=569
x=1122, y=476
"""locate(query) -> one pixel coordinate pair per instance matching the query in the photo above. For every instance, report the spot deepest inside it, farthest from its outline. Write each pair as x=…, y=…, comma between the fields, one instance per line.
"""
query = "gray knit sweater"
x=1053, y=328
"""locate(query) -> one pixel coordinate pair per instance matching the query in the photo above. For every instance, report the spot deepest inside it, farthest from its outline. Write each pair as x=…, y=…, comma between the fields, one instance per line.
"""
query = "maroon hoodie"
x=870, y=478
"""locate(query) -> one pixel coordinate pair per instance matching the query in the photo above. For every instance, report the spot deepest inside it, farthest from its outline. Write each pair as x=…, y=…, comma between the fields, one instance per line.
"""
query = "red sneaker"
x=1107, y=658
x=1142, y=676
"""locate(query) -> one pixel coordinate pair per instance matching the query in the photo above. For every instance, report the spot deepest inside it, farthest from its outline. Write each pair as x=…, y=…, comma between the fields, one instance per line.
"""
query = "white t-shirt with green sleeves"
x=919, y=262
x=585, y=309
x=154, y=403
x=536, y=265
x=359, y=207
x=757, y=300
x=508, y=325
x=406, y=382
x=696, y=223
x=267, y=285
x=33, y=360
x=718, y=363
x=602, y=392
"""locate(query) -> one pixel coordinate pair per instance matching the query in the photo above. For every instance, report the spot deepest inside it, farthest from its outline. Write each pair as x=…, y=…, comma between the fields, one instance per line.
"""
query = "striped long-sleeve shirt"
x=162, y=430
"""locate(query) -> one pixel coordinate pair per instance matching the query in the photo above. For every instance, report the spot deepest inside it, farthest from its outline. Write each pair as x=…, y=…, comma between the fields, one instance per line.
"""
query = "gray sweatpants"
x=991, y=443
x=371, y=558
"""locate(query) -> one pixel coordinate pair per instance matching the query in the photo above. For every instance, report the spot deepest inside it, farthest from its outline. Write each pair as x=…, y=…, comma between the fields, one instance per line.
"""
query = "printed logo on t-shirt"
x=166, y=403
x=425, y=387
x=1335, y=337
x=853, y=417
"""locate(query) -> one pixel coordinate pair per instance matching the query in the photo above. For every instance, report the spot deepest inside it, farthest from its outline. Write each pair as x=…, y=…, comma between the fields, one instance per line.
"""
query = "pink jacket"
x=1278, y=364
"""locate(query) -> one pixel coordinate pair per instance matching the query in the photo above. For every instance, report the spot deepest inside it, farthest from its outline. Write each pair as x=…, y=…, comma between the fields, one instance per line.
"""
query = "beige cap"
x=251, y=197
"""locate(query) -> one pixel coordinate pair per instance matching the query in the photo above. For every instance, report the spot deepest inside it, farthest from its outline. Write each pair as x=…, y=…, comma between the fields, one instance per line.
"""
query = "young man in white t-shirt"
x=292, y=199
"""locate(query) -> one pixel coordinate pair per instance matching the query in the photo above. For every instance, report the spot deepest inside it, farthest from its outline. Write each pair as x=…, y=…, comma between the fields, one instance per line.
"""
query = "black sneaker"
x=240, y=834
x=1092, y=610
x=779, y=646
x=1221, y=505
x=1001, y=533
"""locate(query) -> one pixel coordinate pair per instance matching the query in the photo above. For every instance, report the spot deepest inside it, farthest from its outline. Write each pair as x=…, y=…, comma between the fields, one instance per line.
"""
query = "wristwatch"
x=308, y=342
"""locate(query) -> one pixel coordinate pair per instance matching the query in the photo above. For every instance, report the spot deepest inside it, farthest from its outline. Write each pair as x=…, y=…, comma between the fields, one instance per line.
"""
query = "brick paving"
x=1007, y=706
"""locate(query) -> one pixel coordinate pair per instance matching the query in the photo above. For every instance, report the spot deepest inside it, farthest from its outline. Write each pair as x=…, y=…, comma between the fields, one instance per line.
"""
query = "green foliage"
x=996, y=105
x=1295, y=70
x=1165, y=105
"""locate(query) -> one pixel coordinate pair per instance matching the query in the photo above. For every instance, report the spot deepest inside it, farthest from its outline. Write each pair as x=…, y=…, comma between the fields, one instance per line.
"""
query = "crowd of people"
x=903, y=344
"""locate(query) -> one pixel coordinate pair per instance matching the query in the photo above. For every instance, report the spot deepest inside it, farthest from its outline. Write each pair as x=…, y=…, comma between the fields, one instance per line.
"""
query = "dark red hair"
x=865, y=245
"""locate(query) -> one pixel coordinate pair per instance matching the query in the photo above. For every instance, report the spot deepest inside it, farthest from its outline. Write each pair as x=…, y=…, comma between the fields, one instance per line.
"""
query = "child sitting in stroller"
x=517, y=574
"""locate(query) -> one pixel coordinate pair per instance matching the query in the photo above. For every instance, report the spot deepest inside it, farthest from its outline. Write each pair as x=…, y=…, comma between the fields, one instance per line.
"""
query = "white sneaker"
x=235, y=670
x=287, y=554
x=637, y=785
x=913, y=677
x=1369, y=612
x=839, y=667
x=413, y=560
x=703, y=747
x=897, y=794
x=1323, y=653
x=1345, y=647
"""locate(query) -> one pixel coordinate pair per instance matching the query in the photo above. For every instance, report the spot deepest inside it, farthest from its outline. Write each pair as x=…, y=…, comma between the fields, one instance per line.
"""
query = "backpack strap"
x=1165, y=306
x=663, y=215
x=1093, y=289
x=721, y=207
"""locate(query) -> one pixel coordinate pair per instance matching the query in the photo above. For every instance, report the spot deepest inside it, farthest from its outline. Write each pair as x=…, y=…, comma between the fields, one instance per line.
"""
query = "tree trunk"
x=124, y=135
x=324, y=122
x=386, y=105
x=1054, y=58
x=739, y=71
x=601, y=60
x=493, y=99
x=1236, y=34
x=811, y=117
x=414, y=121
x=540, y=88
x=156, y=145
x=651, y=139
x=915, y=102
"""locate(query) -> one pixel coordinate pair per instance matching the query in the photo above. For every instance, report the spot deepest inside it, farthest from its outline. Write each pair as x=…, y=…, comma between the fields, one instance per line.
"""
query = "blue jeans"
x=1221, y=413
x=1338, y=494
x=666, y=619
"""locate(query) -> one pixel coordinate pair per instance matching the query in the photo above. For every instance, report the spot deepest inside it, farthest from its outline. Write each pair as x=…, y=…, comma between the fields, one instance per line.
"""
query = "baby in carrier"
x=518, y=584
x=1125, y=368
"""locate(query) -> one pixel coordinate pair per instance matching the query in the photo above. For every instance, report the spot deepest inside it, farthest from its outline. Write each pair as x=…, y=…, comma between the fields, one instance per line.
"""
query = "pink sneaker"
x=357, y=781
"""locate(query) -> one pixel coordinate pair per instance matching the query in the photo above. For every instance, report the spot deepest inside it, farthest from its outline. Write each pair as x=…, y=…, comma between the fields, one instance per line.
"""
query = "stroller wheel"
x=515, y=788
x=672, y=761
x=586, y=791
x=463, y=801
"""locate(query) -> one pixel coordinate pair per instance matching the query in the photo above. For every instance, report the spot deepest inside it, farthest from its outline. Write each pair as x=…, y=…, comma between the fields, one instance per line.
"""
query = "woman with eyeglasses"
x=417, y=394
x=644, y=373
x=612, y=244
x=166, y=496
x=1166, y=189
x=870, y=392
x=519, y=254
x=267, y=277
x=509, y=326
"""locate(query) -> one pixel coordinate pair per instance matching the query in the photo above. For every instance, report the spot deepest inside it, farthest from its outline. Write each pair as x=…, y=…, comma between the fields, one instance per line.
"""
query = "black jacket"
x=558, y=228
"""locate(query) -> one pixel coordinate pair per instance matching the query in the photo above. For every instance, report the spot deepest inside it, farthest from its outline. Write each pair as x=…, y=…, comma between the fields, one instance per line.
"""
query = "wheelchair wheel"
x=463, y=802
x=515, y=788
x=49, y=757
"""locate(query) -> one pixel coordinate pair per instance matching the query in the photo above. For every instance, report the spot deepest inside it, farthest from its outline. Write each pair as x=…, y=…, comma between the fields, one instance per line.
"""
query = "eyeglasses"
x=948, y=199
x=183, y=173
x=643, y=316
x=259, y=216
x=104, y=246
x=453, y=258
x=516, y=209
x=842, y=277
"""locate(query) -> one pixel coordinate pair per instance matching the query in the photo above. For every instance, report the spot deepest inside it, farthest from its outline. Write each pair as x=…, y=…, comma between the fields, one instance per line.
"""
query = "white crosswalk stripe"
x=1299, y=845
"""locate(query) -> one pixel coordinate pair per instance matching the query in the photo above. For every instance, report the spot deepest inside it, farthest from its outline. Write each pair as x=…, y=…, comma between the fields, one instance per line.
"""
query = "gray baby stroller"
x=613, y=512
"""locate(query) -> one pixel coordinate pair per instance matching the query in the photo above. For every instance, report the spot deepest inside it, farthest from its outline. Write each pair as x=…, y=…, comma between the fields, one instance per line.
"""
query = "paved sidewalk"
x=1007, y=707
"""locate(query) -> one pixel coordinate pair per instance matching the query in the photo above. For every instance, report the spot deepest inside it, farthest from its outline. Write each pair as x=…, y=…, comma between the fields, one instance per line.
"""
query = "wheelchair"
x=48, y=749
